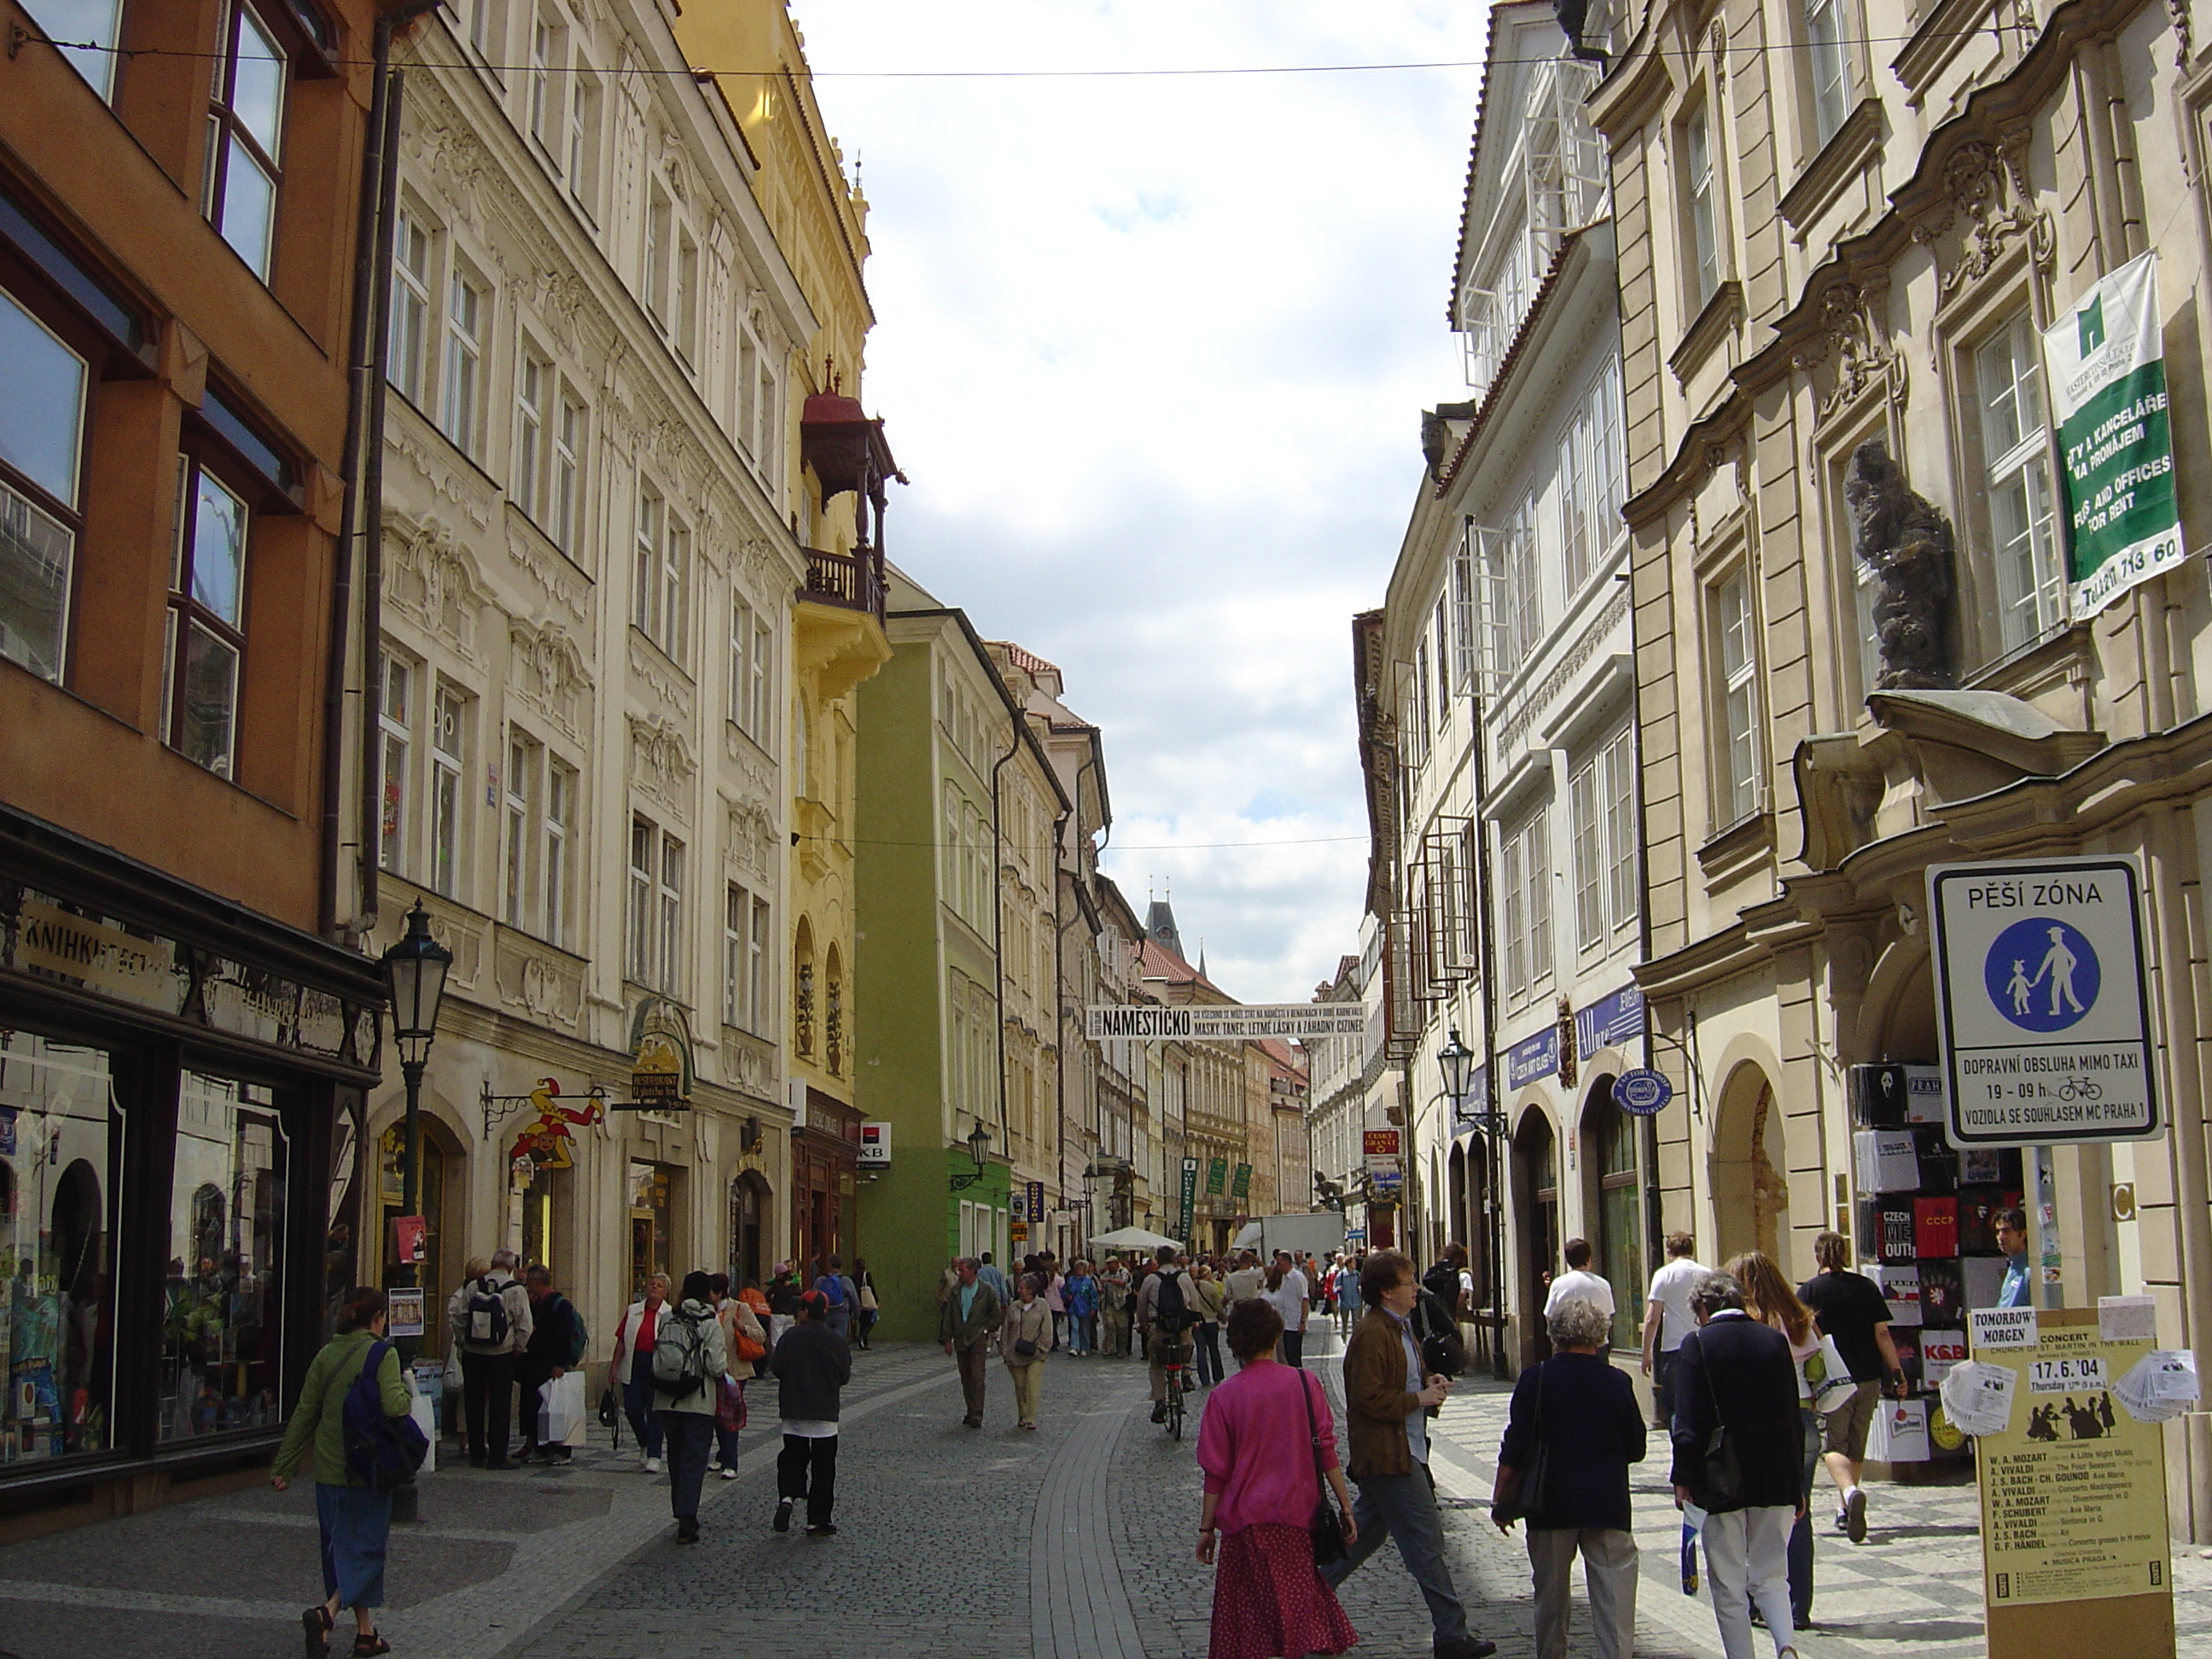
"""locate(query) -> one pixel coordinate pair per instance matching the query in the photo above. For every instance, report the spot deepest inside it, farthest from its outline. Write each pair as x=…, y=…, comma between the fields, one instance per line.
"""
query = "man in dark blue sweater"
x=811, y=1366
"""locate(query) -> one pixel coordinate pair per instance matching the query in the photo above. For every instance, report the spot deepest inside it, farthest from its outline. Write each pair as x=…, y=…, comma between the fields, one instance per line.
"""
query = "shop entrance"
x=749, y=1209
x=1614, y=1196
x=651, y=1223
x=1536, y=1181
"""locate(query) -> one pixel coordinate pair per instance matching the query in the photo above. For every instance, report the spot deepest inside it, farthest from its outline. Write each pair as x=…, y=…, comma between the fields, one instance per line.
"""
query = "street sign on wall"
x=2040, y=1001
x=1237, y=1023
x=2106, y=364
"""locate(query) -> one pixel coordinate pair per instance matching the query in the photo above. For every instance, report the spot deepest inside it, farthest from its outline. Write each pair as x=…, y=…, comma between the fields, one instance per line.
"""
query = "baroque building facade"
x=1845, y=231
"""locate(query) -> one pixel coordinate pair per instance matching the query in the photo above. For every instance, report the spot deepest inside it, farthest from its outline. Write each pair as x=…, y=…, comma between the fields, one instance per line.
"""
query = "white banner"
x=1145, y=1023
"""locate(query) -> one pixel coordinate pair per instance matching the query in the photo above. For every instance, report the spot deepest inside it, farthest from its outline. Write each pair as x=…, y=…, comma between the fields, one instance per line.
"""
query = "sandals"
x=367, y=1647
x=315, y=1626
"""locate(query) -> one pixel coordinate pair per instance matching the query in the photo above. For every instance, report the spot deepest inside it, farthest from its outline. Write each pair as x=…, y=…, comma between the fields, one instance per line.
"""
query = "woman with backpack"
x=688, y=1363
x=353, y=1517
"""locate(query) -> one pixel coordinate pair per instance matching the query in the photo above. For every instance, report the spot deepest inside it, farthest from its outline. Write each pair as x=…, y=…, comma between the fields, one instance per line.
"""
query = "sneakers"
x=652, y=1466
x=1855, y=1514
x=825, y=1530
x=728, y=1474
x=782, y=1521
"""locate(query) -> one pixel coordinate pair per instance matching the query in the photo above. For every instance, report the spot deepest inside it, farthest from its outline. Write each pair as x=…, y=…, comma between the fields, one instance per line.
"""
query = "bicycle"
x=1175, y=1368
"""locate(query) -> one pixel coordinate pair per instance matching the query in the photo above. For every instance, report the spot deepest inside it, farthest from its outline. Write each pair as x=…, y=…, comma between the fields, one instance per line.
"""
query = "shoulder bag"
x=1523, y=1494
x=1722, y=1485
x=1326, y=1526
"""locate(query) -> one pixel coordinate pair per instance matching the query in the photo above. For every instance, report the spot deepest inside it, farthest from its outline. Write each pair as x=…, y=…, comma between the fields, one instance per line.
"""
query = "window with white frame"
x=671, y=900
x=1464, y=646
x=246, y=137
x=1701, y=208
x=1735, y=717
x=407, y=353
x=1525, y=886
x=395, y=741
x=206, y=624
x=583, y=137
x=685, y=317
x=659, y=235
x=565, y=511
x=534, y=391
x=1577, y=502
x=1601, y=803
x=2031, y=576
x=663, y=557
x=556, y=831
x=1523, y=574
x=460, y=408
x=1442, y=650
x=95, y=30
x=448, y=762
x=488, y=30
x=745, y=985
x=747, y=409
x=751, y=648
x=1827, y=60
x=45, y=388
x=549, y=55
x=1609, y=454
x=520, y=841
x=644, y=846
x=656, y=907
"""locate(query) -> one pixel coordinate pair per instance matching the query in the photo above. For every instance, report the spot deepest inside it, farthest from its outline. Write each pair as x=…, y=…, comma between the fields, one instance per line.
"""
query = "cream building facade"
x=1843, y=230
x=579, y=730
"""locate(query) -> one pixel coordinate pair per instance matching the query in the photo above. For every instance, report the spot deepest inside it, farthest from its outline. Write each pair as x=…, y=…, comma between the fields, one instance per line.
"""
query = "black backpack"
x=1443, y=1350
x=1441, y=1281
x=383, y=1452
x=487, y=1327
x=1171, y=1313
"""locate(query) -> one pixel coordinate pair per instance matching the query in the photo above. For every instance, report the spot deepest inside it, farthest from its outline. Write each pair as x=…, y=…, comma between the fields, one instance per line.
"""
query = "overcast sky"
x=1153, y=352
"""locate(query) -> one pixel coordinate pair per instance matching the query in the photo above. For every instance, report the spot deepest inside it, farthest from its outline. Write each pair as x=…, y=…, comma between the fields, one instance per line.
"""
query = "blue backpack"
x=832, y=1286
x=381, y=1452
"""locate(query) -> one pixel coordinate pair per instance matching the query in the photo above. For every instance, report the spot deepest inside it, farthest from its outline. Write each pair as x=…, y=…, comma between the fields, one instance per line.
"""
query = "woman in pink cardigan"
x=1254, y=1443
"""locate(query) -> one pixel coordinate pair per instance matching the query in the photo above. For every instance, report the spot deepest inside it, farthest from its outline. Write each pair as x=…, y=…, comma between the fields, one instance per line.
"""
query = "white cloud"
x=1152, y=350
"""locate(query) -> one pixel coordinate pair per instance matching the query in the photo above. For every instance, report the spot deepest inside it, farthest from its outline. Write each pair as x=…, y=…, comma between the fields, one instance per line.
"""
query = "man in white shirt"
x=1578, y=1280
x=1669, y=1317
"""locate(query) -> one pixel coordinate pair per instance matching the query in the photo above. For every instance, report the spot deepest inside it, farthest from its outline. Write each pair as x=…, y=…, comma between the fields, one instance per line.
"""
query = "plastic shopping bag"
x=561, y=1411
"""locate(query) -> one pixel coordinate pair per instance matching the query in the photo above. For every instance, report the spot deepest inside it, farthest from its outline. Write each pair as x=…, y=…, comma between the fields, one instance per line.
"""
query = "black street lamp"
x=1455, y=1061
x=979, y=1146
x=415, y=977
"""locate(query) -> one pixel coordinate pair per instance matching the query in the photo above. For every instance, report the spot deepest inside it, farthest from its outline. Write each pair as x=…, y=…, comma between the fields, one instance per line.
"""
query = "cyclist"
x=1167, y=1308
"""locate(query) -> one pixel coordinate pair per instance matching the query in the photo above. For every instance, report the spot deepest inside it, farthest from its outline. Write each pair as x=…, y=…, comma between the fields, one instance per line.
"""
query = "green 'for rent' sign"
x=2107, y=366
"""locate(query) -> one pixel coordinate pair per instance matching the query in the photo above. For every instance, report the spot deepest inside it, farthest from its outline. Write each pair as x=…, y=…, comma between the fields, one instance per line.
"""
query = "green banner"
x=1242, y=1187
x=1189, y=1195
x=2106, y=364
x=1217, y=1177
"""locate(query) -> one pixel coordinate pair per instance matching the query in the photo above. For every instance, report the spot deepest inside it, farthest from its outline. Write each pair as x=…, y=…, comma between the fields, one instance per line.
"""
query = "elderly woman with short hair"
x=1582, y=1410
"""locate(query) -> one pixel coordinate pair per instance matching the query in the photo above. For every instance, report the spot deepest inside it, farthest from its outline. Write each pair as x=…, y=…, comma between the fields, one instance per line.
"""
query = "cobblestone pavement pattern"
x=1074, y=1542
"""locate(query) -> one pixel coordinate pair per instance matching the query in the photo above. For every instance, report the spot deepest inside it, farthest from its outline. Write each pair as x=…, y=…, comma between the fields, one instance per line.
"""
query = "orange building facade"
x=182, y=1044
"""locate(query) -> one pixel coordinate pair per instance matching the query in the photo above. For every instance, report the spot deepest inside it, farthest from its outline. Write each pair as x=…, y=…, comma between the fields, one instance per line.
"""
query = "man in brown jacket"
x=1386, y=1402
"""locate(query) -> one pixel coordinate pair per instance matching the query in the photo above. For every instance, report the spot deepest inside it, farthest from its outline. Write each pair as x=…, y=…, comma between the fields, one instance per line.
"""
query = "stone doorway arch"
x=1750, y=1182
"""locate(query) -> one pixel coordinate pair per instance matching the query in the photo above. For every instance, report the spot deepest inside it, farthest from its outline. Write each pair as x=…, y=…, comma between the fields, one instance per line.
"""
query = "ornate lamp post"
x=415, y=977
x=979, y=1146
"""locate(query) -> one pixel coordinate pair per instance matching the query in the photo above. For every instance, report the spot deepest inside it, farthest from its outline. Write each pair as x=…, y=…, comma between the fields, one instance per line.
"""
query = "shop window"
x=651, y=1222
x=246, y=135
x=43, y=386
x=96, y=24
x=61, y=1142
x=543, y=1199
x=206, y=636
x=222, y=1327
x=1619, y=1217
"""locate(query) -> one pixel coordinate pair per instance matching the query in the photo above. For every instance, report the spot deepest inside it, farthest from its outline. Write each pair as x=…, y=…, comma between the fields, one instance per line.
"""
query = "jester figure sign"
x=546, y=1141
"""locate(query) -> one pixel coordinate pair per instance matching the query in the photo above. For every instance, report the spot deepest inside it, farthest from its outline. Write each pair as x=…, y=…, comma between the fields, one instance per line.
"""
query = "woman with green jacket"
x=354, y=1517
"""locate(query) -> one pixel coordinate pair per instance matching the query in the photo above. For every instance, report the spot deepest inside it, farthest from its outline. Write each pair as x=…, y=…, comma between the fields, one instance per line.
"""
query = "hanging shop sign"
x=1217, y=1177
x=2106, y=364
x=1532, y=1058
x=2075, y=1557
x=1380, y=1147
x=660, y=1077
x=1610, y=1021
x=2040, y=1001
x=1189, y=1194
x=1641, y=1092
x=875, y=1145
x=1240, y=1187
x=1237, y=1023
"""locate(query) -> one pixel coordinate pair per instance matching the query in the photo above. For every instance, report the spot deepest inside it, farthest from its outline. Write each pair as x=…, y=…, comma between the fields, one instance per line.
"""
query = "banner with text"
x=2106, y=362
x=1144, y=1024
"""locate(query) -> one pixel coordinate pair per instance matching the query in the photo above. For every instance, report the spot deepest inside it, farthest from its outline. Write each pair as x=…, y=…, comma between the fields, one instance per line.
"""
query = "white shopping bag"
x=561, y=1413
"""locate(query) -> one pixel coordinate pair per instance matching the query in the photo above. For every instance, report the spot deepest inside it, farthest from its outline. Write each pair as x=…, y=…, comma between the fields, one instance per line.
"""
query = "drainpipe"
x=1654, y=1227
x=372, y=264
x=999, y=923
x=1060, y=1007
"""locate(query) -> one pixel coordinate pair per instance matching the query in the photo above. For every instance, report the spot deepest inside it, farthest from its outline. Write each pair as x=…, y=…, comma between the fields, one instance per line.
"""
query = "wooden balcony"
x=852, y=581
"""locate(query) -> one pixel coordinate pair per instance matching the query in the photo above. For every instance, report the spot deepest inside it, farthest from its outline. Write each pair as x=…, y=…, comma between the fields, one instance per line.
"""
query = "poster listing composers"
x=2106, y=362
x=2073, y=1486
x=2041, y=1001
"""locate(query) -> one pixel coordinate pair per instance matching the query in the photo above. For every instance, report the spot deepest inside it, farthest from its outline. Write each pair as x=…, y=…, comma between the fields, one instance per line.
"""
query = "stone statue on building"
x=1906, y=541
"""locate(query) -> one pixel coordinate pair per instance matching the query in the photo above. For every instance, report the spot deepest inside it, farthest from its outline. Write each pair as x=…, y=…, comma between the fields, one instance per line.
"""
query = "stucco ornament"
x=1906, y=543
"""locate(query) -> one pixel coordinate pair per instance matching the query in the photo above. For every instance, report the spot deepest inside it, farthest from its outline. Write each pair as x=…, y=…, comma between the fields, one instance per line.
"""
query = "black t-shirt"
x=1849, y=1306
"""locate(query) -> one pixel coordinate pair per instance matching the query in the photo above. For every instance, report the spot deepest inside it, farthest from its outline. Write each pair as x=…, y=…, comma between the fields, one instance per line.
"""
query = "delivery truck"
x=1318, y=1233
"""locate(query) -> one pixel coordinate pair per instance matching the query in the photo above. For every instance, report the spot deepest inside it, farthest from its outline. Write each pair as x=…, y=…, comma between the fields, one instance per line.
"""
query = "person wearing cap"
x=811, y=1366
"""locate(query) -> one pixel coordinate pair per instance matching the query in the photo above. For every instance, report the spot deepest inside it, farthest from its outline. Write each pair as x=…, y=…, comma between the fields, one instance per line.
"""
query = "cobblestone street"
x=1071, y=1543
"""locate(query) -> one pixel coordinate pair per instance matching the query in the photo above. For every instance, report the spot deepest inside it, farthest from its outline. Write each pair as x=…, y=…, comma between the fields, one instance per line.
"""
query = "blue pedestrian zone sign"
x=2041, y=1004
x=1641, y=1092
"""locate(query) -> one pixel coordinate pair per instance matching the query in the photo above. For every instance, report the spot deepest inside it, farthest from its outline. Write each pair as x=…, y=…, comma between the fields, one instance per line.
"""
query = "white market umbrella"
x=1131, y=1238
